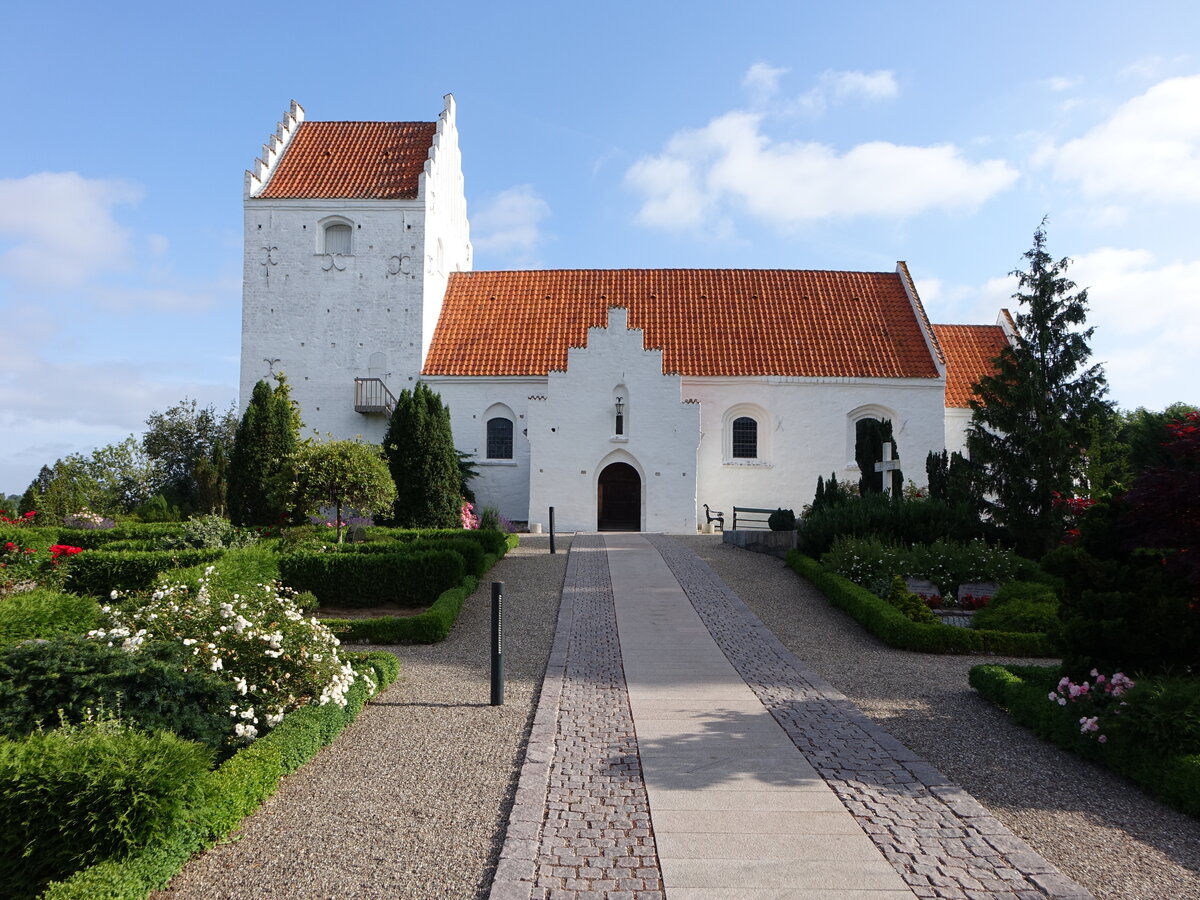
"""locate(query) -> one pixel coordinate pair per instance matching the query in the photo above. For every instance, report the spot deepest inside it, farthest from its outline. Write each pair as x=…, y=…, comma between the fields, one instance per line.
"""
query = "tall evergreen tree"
x=266, y=438
x=419, y=446
x=1030, y=429
x=869, y=438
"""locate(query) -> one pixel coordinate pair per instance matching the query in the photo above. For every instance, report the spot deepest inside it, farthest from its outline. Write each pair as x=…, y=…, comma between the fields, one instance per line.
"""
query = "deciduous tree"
x=342, y=475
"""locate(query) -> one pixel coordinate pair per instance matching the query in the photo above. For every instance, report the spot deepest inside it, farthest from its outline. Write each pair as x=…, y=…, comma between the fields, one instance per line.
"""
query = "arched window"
x=337, y=238
x=745, y=438
x=499, y=438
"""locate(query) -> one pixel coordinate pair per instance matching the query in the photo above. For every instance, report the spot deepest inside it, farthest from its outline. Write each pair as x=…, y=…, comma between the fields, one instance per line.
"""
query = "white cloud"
x=61, y=229
x=510, y=225
x=731, y=165
x=837, y=87
x=1061, y=83
x=1148, y=150
x=762, y=80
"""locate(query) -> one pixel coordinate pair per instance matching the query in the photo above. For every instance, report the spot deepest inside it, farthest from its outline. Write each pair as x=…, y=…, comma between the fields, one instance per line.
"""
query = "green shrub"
x=99, y=572
x=911, y=605
x=900, y=522
x=45, y=613
x=209, y=532
x=76, y=795
x=45, y=682
x=93, y=538
x=1021, y=606
x=237, y=788
x=1144, y=746
x=895, y=629
x=370, y=579
x=782, y=520
x=491, y=541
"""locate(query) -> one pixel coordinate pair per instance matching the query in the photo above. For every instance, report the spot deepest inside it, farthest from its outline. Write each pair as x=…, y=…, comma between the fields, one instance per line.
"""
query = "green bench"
x=747, y=517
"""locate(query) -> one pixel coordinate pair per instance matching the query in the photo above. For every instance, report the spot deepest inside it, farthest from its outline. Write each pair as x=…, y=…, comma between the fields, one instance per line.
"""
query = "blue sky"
x=788, y=135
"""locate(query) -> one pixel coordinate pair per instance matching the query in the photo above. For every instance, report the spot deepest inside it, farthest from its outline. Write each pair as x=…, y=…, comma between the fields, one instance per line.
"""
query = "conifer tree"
x=1031, y=424
x=266, y=438
x=419, y=446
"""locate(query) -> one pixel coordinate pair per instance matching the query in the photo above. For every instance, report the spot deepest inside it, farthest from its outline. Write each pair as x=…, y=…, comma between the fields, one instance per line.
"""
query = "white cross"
x=887, y=465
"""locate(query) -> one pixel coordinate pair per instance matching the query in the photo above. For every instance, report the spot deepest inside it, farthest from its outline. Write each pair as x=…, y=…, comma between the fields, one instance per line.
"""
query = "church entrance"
x=619, y=499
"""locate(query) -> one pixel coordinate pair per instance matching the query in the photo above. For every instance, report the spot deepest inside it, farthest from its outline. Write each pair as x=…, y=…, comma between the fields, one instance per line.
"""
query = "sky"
x=767, y=134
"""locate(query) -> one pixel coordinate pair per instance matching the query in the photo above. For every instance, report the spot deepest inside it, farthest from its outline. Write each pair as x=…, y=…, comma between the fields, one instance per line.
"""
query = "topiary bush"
x=45, y=683
x=76, y=795
x=782, y=520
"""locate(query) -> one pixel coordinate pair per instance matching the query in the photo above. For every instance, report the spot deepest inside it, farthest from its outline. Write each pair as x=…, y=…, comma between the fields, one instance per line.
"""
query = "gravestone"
x=356, y=534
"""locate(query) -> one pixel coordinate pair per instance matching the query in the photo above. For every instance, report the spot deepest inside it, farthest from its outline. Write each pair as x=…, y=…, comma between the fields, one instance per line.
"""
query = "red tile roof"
x=352, y=160
x=969, y=351
x=706, y=321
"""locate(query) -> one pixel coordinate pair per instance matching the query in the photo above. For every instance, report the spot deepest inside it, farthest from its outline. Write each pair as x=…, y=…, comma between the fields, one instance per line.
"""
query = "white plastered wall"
x=323, y=319
x=572, y=434
x=806, y=430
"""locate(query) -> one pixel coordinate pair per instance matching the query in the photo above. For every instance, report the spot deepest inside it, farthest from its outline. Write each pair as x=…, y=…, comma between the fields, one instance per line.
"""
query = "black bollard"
x=497, y=643
x=552, y=529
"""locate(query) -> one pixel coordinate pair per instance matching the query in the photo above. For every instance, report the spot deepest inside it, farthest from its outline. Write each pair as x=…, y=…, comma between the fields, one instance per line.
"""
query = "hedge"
x=1022, y=691
x=408, y=578
x=491, y=541
x=429, y=627
x=95, y=538
x=99, y=572
x=896, y=630
x=236, y=788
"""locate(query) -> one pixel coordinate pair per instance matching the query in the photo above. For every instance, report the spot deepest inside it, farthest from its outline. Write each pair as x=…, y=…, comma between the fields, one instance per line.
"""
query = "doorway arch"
x=619, y=498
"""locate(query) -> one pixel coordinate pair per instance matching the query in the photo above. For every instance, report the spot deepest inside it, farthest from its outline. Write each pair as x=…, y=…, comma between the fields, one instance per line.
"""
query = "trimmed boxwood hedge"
x=1022, y=691
x=99, y=572
x=409, y=578
x=94, y=538
x=236, y=789
x=428, y=627
x=892, y=627
x=492, y=541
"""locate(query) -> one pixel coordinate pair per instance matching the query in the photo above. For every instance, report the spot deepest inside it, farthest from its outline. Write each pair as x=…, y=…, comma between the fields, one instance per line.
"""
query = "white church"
x=624, y=398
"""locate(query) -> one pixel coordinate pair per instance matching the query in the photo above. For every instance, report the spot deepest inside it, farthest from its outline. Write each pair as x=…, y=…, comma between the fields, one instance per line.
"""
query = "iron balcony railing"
x=371, y=395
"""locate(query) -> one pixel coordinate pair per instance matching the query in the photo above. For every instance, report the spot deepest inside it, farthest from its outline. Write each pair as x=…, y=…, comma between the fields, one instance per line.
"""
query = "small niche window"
x=745, y=438
x=499, y=438
x=337, y=239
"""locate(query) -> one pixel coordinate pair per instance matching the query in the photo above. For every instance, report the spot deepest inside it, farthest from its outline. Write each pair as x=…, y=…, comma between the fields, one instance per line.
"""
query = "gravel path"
x=412, y=799
x=1097, y=828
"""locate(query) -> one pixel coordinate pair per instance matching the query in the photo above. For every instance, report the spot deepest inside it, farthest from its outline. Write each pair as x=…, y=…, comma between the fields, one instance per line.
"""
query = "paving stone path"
x=592, y=804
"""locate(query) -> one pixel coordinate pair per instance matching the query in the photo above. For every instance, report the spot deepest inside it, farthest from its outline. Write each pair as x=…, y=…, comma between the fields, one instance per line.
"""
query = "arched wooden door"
x=619, y=498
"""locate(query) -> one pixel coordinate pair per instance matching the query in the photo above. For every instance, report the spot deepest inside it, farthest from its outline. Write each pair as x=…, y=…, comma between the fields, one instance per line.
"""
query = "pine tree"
x=1030, y=429
x=419, y=446
x=266, y=438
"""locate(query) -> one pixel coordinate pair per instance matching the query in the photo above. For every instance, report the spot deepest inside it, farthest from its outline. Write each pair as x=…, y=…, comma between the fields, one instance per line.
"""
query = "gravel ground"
x=1097, y=828
x=412, y=799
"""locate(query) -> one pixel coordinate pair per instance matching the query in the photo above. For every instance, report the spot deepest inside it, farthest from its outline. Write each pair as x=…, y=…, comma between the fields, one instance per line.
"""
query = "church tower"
x=351, y=232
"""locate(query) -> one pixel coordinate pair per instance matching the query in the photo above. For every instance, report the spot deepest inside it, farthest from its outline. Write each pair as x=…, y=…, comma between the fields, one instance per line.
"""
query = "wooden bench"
x=710, y=517
x=747, y=517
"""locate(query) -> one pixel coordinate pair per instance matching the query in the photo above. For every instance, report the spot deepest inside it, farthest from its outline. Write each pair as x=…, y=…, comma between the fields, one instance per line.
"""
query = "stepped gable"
x=970, y=351
x=352, y=160
x=707, y=322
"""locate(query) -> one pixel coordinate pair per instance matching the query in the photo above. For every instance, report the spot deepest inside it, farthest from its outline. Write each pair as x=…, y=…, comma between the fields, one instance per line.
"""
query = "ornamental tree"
x=176, y=440
x=1031, y=424
x=267, y=436
x=341, y=475
x=424, y=464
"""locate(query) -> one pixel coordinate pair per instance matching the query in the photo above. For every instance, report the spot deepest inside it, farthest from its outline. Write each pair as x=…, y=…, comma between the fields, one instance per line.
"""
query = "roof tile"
x=352, y=160
x=970, y=353
x=706, y=321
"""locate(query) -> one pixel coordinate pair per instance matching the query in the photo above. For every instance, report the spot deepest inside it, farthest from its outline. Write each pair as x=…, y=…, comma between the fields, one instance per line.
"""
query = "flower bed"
x=1150, y=734
x=894, y=628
